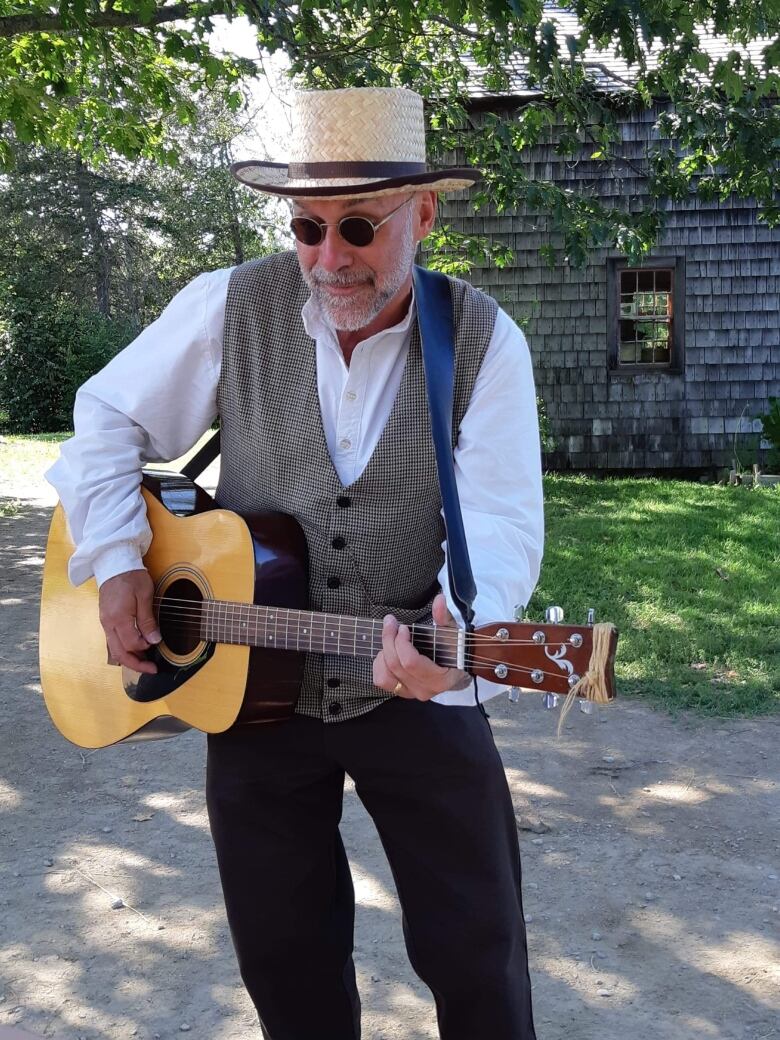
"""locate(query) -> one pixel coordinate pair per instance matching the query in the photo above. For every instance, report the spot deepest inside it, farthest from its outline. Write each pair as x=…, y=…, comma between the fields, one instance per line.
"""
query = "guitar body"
x=198, y=552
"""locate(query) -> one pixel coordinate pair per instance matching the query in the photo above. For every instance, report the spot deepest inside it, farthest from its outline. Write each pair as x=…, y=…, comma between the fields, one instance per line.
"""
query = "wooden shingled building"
x=648, y=368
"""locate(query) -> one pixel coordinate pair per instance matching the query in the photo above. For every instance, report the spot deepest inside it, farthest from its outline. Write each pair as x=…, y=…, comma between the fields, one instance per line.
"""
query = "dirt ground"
x=650, y=851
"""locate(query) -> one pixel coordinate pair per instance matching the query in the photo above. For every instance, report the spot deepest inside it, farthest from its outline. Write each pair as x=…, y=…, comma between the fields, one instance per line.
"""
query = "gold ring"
x=397, y=688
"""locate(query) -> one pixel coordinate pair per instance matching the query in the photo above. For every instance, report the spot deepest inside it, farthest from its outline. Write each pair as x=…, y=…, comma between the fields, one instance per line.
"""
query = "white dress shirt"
x=158, y=396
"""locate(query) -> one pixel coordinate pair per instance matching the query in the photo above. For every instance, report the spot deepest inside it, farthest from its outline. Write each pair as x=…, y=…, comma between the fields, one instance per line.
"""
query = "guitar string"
x=420, y=633
x=472, y=659
x=196, y=612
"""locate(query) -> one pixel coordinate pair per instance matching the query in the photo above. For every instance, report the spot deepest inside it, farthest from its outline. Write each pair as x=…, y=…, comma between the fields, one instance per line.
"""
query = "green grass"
x=24, y=457
x=689, y=573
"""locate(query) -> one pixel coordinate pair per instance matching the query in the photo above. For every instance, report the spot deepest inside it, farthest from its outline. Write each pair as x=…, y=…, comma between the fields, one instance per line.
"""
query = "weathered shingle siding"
x=654, y=420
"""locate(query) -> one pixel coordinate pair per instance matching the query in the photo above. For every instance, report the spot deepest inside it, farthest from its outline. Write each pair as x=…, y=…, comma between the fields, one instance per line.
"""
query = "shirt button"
x=334, y=583
x=343, y=501
x=351, y=395
x=335, y=708
x=344, y=443
x=338, y=543
x=334, y=683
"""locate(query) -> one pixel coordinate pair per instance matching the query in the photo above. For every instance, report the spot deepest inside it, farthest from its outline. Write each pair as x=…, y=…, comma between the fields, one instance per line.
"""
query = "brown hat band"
x=314, y=171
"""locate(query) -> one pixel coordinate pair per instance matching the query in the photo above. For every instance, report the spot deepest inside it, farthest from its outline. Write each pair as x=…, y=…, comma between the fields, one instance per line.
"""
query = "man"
x=313, y=364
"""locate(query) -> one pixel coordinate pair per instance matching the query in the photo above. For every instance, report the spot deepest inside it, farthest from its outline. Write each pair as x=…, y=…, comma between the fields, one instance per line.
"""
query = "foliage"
x=545, y=433
x=770, y=425
x=89, y=255
x=688, y=573
x=45, y=355
x=126, y=236
x=100, y=77
x=104, y=77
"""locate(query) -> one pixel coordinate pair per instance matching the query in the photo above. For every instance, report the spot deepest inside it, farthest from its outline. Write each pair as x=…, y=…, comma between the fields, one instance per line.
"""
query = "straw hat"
x=362, y=141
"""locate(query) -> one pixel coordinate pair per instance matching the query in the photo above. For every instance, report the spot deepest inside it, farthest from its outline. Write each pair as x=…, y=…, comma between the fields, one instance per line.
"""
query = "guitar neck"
x=305, y=630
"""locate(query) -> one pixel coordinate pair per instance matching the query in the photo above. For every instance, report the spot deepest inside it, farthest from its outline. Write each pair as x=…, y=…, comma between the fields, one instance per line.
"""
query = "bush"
x=45, y=355
x=545, y=434
x=770, y=424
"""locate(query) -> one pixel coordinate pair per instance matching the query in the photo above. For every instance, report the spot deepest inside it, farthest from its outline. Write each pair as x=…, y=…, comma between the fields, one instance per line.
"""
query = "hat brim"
x=273, y=179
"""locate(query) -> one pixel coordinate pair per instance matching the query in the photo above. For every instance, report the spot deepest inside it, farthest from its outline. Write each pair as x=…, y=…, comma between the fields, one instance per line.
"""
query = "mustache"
x=340, y=279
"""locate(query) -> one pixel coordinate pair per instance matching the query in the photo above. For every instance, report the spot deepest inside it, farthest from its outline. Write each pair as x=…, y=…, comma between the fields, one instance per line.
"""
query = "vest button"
x=334, y=683
x=334, y=583
x=335, y=708
x=343, y=501
x=338, y=543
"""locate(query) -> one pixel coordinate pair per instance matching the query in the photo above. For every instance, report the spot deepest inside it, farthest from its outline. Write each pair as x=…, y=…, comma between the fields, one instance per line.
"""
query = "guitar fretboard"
x=305, y=630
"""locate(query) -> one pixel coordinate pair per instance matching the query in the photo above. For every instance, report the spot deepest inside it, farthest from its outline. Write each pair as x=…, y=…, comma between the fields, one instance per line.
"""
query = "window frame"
x=615, y=265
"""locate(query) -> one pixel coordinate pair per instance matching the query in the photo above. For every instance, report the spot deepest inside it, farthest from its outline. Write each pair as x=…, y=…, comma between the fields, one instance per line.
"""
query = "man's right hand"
x=127, y=616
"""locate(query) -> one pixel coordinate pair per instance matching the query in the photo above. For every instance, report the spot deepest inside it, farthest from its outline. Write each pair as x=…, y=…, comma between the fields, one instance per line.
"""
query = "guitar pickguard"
x=140, y=686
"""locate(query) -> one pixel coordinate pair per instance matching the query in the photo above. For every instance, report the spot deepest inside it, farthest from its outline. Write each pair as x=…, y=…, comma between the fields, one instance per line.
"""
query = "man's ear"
x=426, y=213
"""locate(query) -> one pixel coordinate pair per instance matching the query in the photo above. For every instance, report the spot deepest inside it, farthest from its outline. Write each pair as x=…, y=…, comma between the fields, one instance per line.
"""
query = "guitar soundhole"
x=180, y=616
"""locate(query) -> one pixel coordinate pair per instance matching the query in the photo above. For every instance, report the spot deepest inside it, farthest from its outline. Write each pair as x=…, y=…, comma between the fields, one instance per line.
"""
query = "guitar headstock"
x=548, y=657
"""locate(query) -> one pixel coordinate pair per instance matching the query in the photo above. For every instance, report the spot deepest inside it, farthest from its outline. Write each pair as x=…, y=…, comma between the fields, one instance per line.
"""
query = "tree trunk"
x=100, y=260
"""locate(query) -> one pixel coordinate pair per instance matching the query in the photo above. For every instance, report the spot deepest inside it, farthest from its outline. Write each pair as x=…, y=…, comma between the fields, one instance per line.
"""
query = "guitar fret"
x=306, y=631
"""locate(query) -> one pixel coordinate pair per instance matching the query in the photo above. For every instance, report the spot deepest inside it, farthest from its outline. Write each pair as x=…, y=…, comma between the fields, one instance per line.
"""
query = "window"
x=645, y=319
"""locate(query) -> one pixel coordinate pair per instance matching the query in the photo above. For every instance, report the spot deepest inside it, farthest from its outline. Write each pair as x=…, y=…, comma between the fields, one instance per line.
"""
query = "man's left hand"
x=402, y=670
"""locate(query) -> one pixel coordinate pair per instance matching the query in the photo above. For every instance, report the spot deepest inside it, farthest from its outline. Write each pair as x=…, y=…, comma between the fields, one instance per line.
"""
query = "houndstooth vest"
x=374, y=546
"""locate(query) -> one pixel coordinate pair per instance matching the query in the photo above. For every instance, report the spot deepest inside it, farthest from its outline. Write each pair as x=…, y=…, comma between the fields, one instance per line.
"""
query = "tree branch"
x=17, y=24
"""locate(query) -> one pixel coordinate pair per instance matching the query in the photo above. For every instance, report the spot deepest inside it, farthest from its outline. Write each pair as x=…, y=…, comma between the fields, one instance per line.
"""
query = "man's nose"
x=334, y=252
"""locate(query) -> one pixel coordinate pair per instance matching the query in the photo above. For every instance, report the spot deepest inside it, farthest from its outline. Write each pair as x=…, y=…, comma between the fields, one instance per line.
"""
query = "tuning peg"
x=591, y=616
x=514, y=694
x=550, y=700
x=554, y=615
x=586, y=707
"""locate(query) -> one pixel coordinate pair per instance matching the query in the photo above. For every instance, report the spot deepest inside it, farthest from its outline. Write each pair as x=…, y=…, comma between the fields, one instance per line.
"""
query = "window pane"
x=662, y=303
x=645, y=303
x=646, y=281
x=626, y=304
x=663, y=280
x=627, y=330
x=628, y=281
x=662, y=355
x=628, y=353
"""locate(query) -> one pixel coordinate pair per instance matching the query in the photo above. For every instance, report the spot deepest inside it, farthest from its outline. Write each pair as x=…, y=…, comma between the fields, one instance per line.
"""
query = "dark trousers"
x=433, y=782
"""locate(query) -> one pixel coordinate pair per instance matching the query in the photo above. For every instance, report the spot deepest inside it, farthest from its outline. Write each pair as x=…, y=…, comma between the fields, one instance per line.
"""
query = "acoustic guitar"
x=231, y=597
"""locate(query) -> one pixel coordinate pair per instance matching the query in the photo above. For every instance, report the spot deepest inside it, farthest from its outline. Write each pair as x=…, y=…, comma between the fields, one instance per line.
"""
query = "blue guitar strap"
x=437, y=332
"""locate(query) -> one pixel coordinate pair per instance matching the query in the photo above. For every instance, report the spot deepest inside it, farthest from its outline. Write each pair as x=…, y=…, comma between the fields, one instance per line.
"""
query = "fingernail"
x=154, y=637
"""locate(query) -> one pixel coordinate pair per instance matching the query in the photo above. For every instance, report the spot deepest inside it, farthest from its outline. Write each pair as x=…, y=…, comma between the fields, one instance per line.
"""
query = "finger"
x=385, y=679
x=389, y=633
x=415, y=668
x=441, y=613
x=119, y=656
x=146, y=622
x=129, y=636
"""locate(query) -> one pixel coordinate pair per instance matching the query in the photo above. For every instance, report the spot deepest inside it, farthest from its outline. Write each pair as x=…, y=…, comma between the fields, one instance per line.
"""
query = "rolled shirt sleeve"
x=499, y=477
x=150, y=403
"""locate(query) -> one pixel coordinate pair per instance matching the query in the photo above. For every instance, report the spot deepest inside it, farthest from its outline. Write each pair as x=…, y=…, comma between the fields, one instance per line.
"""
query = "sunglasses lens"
x=358, y=231
x=307, y=231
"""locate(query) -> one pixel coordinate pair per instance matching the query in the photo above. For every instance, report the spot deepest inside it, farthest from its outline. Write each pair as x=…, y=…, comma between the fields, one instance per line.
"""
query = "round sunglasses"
x=357, y=231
